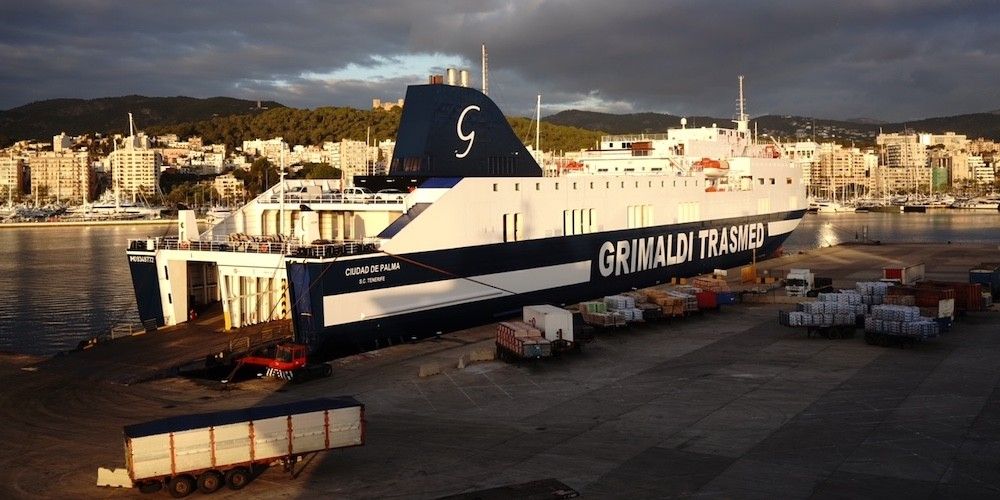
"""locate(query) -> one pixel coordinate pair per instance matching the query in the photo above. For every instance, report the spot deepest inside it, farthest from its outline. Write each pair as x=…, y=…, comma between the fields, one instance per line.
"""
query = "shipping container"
x=521, y=340
x=987, y=275
x=707, y=300
x=555, y=323
x=205, y=451
x=968, y=296
x=905, y=275
x=727, y=298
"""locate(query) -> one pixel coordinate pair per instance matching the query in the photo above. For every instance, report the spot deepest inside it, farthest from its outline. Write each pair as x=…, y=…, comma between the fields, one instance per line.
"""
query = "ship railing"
x=319, y=249
x=298, y=198
x=270, y=333
x=333, y=249
x=634, y=137
x=229, y=244
x=119, y=331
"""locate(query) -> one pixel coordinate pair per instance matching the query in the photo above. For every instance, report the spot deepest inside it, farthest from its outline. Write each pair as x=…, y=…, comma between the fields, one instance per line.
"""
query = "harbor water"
x=61, y=285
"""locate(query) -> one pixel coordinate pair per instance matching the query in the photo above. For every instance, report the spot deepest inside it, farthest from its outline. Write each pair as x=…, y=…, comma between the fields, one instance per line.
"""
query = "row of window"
x=579, y=221
x=640, y=216
x=607, y=184
x=584, y=220
x=513, y=227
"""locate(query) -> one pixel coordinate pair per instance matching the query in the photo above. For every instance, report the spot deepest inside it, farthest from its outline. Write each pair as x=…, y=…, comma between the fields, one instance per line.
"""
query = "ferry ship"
x=480, y=231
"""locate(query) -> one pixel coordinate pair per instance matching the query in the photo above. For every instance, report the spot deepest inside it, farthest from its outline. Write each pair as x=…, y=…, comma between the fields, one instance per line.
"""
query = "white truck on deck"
x=799, y=282
x=209, y=450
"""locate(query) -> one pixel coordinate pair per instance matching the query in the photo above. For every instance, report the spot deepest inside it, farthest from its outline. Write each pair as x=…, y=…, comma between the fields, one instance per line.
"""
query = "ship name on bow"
x=643, y=254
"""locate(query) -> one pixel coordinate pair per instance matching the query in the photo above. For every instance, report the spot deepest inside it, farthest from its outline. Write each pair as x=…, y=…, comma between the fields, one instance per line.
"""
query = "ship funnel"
x=451, y=131
x=464, y=77
x=452, y=76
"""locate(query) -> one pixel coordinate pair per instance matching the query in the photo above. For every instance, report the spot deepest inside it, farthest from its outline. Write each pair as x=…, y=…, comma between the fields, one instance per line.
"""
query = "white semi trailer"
x=207, y=451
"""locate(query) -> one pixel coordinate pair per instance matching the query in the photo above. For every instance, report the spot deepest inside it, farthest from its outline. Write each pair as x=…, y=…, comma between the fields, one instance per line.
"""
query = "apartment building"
x=11, y=176
x=351, y=157
x=134, y=171
x=902, y=150
x=840, y=172
x=272, y=149
x=228, y=187
x=61, y=175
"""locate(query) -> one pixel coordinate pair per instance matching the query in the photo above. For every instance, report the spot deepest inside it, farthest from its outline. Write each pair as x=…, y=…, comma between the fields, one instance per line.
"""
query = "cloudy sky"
x=892, y=60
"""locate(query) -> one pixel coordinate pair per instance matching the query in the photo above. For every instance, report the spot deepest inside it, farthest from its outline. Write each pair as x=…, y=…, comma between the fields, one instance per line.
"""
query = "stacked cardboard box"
x=522, y=339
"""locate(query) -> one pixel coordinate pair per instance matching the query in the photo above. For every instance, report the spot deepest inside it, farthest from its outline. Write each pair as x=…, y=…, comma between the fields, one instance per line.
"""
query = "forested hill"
x=315, y=126
x=43, y=119
x=973, y=125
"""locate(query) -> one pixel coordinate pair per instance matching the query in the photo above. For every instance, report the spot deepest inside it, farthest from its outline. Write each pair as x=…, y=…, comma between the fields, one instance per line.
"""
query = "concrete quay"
x=723, y=404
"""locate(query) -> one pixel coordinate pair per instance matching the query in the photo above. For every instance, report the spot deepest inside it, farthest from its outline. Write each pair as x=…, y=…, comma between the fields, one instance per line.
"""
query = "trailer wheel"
x=150, y=486
x=209, y=482
x=327, y=370
x=180, y=486
x=237, y=478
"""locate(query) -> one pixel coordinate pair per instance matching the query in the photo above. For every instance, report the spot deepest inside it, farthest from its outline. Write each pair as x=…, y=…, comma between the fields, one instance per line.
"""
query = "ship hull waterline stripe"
x=373, y=333
x=782, y=226
x=342, y=308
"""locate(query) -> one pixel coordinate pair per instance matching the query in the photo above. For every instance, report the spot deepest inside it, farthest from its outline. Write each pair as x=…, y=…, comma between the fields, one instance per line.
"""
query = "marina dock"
x=721, y=404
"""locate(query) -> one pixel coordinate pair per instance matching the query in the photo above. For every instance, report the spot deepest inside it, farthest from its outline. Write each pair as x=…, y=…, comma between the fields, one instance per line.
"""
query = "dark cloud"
x=886, y=59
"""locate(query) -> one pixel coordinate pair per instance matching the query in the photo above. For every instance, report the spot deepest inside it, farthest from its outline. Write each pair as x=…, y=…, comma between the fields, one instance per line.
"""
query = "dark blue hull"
x=311, y=281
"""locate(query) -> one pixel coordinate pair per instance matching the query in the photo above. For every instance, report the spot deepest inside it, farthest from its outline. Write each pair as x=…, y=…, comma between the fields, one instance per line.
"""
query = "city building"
x=981, y=172
x=167, y=140
x=899, y=180
x=272, y=149
x=385, y=149
x=902, y=150
x=62, y=176
x=62, y=142
x=805, y=155
x=207, y=162
x=11, y=177
x=983, y=147
x=229, y=188
x=135, y=172
x=386, y=105
x=949, y=140
x=351, y=157
x=841, y=172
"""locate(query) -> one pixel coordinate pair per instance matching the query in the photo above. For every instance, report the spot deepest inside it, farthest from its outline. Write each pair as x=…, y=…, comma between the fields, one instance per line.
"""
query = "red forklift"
x=286, y=361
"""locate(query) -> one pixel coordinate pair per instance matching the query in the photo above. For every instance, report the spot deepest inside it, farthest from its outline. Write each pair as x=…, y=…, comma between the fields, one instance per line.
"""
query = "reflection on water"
x=820, y=230
x=60, y=285
x=63, y=285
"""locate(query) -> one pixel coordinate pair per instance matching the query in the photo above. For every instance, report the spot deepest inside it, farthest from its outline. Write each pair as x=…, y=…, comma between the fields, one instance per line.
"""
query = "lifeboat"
x=712, y=168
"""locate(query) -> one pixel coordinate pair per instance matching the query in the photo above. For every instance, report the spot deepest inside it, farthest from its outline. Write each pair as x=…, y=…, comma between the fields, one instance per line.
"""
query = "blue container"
x=725, y=298
x=944, y=324
x=988, y=277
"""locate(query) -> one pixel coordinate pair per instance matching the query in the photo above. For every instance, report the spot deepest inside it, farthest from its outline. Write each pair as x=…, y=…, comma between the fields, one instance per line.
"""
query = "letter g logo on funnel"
x=471, y=136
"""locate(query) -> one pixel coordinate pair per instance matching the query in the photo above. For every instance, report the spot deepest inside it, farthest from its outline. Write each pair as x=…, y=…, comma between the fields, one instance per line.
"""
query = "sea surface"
x=61, y=285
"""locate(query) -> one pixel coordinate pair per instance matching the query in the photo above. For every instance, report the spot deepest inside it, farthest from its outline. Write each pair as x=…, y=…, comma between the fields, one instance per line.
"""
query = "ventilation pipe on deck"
x=308, y=226
x=187, y=226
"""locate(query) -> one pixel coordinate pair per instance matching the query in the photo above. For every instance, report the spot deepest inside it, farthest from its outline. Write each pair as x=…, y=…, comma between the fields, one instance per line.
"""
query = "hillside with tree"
x=974, y=125
x=109, y=115
x=315, y=126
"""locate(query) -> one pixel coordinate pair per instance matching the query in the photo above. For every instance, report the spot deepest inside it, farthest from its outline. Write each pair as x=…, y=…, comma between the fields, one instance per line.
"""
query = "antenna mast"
x=538, y=123
x=486, y=70
x=741, y=121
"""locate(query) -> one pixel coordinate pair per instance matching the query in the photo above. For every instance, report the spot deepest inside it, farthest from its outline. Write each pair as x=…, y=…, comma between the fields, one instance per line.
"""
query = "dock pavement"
x=724, y=404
